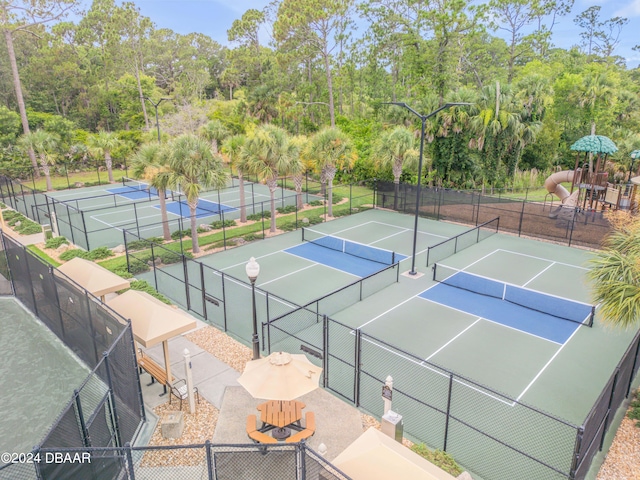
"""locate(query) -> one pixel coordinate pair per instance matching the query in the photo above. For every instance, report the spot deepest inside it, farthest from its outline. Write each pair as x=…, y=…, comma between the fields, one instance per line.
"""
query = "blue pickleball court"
x=204, y=209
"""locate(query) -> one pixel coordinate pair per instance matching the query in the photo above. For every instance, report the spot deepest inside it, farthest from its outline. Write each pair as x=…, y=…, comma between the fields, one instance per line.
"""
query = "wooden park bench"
x=152, y=368
x=256, y=435
x=309, y=429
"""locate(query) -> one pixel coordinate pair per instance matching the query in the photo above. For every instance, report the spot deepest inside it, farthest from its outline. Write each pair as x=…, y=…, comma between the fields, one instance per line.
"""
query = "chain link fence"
x=107, y=409
x=180, y=462
x=570, y=226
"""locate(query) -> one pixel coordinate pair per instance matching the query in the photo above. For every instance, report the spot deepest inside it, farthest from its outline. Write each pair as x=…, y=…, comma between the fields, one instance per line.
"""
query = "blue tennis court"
x=338, y=260
x=205, y=208
x=545, y=316
x=133, y=193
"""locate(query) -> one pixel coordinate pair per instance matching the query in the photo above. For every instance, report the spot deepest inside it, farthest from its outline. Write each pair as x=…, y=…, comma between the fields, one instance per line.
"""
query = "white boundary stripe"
x=257, y=258
x=450, y=341
x=436, y=371
x=492, y=321
x=291, y=273
x=543, y=259
x=248, y=287
x=316, y=263
x=546, y=365
x=390, y=310
x=536, y=276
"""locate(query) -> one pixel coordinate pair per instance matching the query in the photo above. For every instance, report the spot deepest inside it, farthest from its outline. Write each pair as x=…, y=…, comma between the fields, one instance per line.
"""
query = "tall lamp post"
x=155, y=105
x=253, y=269
x=423, y=118
x=634, y=156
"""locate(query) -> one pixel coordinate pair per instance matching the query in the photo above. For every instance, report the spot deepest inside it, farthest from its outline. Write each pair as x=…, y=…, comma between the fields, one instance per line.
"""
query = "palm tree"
x=300, y=166
x=615, y=273
x=44, y=145
x=215, y=132
x=396, y=148
x=268, y=154
x=330, y=148
x=150, y=164
x=101, y=145
x=232, y=148
x=192, y=167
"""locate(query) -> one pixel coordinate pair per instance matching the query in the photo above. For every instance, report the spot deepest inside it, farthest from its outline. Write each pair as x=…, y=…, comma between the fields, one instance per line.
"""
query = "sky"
x=214, y=18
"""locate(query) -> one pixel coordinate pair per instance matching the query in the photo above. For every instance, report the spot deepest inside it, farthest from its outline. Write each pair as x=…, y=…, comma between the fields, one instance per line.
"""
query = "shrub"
x=316, y=203
x=287, y=209
x=144, y=243
x=2, y=206
x=100, y=253
x=250, y=237
x=259, y=216
x=143, y=286
x=336, y=198
x=73, y=253
x=27, y=227
x=48, y=235
x=439, y=458
x=220, y=224
x=137, y=266
x=178, y=234
x=56, y=242
x=168, y=257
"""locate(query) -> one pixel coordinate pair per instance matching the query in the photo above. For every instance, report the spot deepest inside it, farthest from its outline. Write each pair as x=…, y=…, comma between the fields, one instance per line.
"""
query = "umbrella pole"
x=167, y=363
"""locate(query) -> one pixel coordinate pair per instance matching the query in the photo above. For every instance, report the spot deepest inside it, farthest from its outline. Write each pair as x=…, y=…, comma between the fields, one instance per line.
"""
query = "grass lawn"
x=60, y=181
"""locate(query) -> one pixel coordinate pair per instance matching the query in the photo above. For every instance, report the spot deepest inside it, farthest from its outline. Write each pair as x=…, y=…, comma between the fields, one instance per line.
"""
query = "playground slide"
x=553, y=184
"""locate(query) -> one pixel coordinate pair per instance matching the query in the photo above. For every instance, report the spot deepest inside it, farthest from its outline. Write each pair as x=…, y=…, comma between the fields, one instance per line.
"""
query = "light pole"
x=253, y=269
x=155, y=105
x=423, y=118
x=634, y=155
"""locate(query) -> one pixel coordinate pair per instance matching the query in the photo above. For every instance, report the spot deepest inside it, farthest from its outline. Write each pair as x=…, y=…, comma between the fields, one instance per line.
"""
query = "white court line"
x=316, y=263
x=442, y=374
x=547, y=364
x=291, y=273
x=391, y=309
x=479, y=260
x=264, y=294
x=536, y=276
x=489, y=320
x=540, y=258
x=407, y=229
x=446, y=344
x=257, y=258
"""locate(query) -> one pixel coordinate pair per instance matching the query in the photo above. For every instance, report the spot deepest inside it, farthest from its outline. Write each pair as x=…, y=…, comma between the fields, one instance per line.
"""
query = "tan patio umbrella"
x=92, y=277
x=152, y=321
x=375, y=456
x=280, y=376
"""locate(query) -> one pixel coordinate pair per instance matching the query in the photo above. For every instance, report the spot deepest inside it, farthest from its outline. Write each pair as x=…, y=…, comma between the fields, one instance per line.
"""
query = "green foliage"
x=178, y=234
x=144, y=243
x=259, y=215
x=143, y=286
x=286, y=209
x=43, y=255
x=316, y=203
x=100, y=253
x=73, y=253
x=26, y=227
x=220, y=224
x=56, y=242
x=439, y=458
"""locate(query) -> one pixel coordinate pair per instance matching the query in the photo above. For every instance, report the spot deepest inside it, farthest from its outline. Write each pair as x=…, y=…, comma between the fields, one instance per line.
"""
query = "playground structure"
x=590, y=187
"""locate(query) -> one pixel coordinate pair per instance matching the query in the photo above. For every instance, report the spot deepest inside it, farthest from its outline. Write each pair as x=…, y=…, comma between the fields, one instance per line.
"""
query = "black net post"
x=521, y=218
x=325, y=350
x=130, y=463
x=84, y=229
x=576, y=452
x=207, y=448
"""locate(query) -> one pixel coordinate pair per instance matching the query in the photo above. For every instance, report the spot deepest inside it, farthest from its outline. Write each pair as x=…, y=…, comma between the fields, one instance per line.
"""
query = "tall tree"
x=24, y=16
x=268, y=154
x=232, y=148
x=44, y=144
x=193, y=167
x=215, y=132
x=331, y=149
x=150, y=163
x=317, y=24
x=101, y=145
x=396, y=148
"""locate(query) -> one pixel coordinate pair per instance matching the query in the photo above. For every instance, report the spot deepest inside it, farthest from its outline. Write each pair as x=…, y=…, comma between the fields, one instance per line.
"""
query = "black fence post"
x=521, y=218
x=84, y=228
x=224, y=302
x=132, y=347
x=224, y=230
x=86, y=441
x=446, y=423
x=155, y=274
x=210, y=469
x=25, y=253
x=301, y=455
x=185, y=270
x=204, y=293
x=325, y=351
x=130, y=464
x=358, y=352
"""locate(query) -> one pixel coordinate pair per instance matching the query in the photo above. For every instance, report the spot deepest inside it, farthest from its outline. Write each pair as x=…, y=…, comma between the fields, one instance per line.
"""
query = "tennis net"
x=138, y=185
x=553, y=305
x=350, y=247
